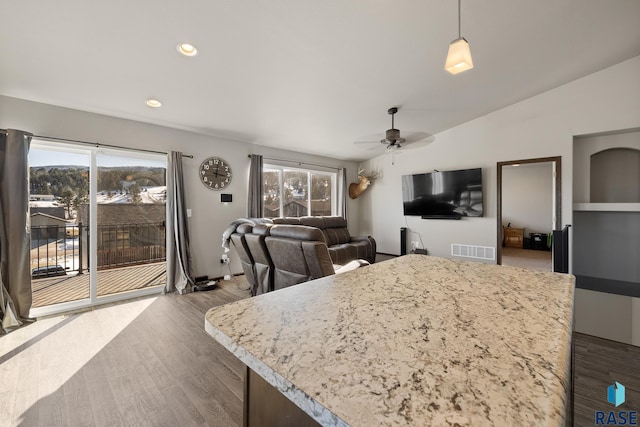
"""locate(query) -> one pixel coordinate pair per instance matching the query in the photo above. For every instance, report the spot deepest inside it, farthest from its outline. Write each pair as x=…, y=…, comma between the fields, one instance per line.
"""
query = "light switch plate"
x=188, y=213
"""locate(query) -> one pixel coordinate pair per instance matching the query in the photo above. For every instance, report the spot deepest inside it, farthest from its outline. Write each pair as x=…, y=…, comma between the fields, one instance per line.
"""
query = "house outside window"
x=298, y=192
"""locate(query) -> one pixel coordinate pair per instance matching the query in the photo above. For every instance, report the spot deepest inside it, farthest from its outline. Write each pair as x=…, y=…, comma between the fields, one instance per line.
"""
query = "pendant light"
x=459, y=56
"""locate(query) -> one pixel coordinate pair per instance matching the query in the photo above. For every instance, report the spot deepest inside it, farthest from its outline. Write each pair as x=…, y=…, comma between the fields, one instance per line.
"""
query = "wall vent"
x=471, y=251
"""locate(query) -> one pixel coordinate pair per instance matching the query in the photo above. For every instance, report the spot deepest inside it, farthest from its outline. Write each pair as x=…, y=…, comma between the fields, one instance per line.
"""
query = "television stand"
x=441, y=216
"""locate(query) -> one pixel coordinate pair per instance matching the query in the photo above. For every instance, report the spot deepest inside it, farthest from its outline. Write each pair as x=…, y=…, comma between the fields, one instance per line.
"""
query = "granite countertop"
x=415, y=340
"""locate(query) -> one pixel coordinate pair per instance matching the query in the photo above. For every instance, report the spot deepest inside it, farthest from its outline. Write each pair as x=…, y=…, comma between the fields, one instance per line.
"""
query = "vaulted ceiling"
x=304, y=75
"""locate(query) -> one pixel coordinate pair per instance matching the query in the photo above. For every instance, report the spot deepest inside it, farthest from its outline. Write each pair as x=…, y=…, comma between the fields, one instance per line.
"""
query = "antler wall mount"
x=364, y=181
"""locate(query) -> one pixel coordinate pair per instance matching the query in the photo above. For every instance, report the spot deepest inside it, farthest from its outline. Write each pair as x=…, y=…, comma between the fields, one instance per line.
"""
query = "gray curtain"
x=179, y=270
x=15, y=263
x=342, y=192
x=256, y=192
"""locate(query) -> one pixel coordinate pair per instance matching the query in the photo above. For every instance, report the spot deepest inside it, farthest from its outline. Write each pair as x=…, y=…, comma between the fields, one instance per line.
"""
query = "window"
x=298, y=192
x=113, y=239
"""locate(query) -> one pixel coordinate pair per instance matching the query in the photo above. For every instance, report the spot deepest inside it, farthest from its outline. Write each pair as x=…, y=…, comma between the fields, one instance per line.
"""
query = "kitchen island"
x=415, y=340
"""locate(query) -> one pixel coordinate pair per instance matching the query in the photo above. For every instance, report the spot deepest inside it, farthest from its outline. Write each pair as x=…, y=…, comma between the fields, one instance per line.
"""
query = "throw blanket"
x=226, y=235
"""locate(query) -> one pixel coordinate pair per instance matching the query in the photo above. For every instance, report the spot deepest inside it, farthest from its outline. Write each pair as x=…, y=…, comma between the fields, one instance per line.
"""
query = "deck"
x=55, y=290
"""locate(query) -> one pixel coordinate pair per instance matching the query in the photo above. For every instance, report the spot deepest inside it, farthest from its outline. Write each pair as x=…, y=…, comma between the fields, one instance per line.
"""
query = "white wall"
x=210, y=217
x=541, y=126
x=527, y=197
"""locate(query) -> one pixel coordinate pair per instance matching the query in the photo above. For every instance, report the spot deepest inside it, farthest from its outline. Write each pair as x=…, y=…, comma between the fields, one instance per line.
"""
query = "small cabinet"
x=513, y=237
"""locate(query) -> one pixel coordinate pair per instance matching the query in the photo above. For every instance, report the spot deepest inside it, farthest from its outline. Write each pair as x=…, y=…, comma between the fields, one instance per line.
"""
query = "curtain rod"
x=97, y=144
x=299, y=163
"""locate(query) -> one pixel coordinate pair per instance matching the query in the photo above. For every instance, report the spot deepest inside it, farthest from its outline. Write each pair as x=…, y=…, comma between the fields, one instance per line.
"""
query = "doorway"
x=524, y=239
x=97, y=225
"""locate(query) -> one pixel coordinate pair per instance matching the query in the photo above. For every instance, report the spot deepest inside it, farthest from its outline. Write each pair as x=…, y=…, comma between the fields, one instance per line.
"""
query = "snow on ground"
x=69, y=245
x=43, y=204
x=148, y=195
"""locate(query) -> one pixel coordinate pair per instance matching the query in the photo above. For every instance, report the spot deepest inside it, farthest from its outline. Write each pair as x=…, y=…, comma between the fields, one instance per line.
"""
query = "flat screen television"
x=447, y=194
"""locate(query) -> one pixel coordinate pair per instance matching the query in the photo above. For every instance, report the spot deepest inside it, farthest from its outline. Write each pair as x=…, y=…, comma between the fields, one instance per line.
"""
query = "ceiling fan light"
x=392, y=136
x=459, y=56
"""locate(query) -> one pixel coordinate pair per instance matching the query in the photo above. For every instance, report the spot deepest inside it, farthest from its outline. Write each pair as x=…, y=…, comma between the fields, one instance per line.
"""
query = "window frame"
x=268, y=167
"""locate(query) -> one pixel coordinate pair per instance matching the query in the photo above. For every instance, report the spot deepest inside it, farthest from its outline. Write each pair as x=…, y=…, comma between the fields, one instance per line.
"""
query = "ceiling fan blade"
x=411, y=137
x=370, y=139
x=416, y=140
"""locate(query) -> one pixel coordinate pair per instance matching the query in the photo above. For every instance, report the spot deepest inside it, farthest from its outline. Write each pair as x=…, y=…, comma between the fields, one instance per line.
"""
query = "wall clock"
x=215, y=173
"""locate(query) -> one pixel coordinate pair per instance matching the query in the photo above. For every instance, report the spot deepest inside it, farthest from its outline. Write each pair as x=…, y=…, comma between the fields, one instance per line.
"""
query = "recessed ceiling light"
x=153, y=103
x=187, y=49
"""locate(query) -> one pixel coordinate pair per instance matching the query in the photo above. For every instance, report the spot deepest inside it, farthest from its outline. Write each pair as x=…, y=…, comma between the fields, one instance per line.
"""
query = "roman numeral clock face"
x=215, y=173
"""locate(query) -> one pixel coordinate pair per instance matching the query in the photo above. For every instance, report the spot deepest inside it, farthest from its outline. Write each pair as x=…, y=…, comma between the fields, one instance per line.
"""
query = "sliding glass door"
x=97, y=225
x=131, y=213
x=58, y=188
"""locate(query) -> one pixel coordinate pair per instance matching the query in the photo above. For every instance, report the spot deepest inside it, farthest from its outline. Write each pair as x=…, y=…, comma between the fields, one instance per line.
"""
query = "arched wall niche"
x=615, y=176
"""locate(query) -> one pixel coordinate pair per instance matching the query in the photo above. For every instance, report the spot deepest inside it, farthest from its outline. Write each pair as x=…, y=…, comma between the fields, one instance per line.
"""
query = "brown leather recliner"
x=263, y=265
x=342, y=246
x=299, y=254
x=278, y=256
x=246, y=259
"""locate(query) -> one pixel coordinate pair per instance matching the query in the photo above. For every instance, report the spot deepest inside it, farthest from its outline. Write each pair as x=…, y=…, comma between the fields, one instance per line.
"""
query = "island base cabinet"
x=265, y=406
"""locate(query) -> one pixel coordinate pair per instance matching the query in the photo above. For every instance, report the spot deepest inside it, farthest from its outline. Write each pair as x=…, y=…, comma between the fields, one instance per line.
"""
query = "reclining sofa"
x=277, y=256
x=342, y=246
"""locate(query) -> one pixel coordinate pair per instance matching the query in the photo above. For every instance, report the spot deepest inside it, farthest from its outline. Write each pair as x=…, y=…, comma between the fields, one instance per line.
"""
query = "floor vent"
x=470, y=251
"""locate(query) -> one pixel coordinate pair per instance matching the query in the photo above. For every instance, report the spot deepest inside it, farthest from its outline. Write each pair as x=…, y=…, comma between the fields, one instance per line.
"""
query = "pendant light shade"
x=459, y=56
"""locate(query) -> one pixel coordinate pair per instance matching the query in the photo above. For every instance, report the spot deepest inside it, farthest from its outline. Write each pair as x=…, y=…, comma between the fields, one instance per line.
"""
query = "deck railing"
x=118, y=245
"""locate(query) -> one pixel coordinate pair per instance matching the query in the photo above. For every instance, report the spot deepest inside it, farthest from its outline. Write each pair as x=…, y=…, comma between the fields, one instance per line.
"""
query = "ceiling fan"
x=392, y=139
x=392, y=136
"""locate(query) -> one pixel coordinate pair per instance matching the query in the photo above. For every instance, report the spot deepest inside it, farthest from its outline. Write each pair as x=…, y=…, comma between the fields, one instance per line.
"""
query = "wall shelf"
x=607, y=207
x=619, y=287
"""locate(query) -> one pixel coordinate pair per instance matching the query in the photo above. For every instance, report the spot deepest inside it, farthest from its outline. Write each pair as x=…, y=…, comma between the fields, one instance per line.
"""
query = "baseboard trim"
x=220, y=278
x=383, y=253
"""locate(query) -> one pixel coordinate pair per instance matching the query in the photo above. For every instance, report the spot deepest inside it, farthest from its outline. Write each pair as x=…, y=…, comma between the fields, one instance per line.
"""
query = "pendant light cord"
x=459, y=33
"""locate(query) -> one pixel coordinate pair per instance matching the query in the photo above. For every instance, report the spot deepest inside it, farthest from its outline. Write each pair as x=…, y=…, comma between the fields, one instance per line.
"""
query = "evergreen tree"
x=66, y=198
x=134, y=193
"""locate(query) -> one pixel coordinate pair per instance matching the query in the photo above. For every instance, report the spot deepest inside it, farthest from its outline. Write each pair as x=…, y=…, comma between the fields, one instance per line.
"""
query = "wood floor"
x=149, y=362
x=598, y=364
x=527, y=258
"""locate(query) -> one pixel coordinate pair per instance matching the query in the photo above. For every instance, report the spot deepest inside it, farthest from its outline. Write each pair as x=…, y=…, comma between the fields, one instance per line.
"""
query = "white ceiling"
x=311, y=76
